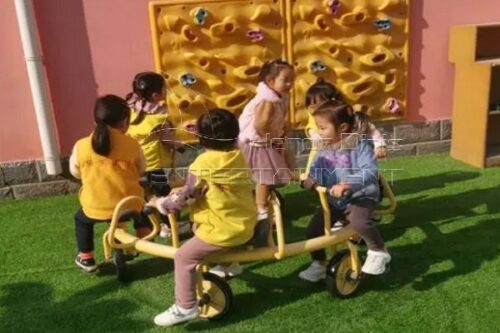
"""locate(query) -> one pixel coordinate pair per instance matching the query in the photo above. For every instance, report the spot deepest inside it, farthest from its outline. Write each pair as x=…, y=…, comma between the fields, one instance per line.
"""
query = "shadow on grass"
x=30, y=307
x=441, y=256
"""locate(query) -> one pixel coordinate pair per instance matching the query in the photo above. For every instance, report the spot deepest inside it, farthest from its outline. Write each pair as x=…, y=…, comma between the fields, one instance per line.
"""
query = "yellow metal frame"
x=119, y=238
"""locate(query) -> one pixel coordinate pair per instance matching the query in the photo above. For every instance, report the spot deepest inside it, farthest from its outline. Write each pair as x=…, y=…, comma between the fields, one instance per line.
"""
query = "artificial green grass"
x=444, y=239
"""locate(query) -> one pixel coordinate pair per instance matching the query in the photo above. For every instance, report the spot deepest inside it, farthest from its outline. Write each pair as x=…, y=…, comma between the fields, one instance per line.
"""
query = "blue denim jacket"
x=352, y=161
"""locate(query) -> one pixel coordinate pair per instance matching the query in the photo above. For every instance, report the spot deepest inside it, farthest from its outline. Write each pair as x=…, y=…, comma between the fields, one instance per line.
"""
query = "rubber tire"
x=220, y=288
x=338, y=275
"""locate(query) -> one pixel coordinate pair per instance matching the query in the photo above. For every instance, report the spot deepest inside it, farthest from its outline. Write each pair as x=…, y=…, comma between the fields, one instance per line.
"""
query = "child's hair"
x=271, y=69
x=145, y=84
x=336, y=113
x=109, y=110
x=361, y=122
x=324, y=90
x=218, y=129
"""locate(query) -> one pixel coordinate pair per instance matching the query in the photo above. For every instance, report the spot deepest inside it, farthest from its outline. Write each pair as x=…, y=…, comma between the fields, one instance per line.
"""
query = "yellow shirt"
x=107, y=179
x=226, y=215
x=148, y=135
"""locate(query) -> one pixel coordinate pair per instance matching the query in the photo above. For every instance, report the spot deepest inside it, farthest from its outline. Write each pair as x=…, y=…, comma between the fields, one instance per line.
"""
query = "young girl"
x=346, y=162
x=263, y=131
x=323, y=91
x=151, y=127
x=224, y=209
x=109, y=164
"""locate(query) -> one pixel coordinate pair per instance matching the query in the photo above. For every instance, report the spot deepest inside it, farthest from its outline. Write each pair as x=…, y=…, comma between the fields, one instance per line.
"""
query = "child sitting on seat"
x=323, y=91
x=109, y=164
x=150, y=125
x=344, y=162
x=223, y=211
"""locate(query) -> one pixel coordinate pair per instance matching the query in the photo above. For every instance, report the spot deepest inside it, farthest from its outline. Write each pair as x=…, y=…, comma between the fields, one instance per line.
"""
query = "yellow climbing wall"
x=358, y=45
x=210, y=52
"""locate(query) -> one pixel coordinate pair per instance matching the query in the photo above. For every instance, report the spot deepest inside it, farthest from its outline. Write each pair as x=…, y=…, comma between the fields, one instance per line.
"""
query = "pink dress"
x=267, y=161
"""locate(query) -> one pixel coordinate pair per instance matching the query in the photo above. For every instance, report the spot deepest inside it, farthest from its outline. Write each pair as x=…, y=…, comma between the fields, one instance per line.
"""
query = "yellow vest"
x=108, y=179
x=156, y=154
x=226, y=215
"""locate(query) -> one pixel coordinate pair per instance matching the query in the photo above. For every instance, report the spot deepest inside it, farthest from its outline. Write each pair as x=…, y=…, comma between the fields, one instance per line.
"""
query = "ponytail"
x=109, y=110
x=100, y=140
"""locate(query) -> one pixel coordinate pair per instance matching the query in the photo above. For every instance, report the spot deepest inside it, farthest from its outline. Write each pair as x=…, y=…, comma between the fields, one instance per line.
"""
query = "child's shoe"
x=176, y=315
x=337, y=226
x=88, y=265
x=227, y=271
x=376, y=261
x=314, y=273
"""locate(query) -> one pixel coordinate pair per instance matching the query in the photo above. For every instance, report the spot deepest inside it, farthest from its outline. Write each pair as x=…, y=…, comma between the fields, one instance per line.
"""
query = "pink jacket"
x=248, y=134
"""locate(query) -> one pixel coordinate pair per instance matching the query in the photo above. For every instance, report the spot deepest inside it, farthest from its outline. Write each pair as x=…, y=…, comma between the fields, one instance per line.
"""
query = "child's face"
x=326, y=130
x=283, y=82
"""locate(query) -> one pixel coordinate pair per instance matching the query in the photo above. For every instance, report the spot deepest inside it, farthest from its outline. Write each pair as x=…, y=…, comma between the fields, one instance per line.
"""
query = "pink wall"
x=431, y=75
x=19, y=138
x=94, y=47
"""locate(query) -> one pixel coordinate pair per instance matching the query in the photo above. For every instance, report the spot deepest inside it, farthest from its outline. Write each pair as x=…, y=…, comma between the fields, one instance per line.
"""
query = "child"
x=263, y=132
x=224, y=209
x=345, y=163
x=151, y=127
x=109, y=164
x=323, y=91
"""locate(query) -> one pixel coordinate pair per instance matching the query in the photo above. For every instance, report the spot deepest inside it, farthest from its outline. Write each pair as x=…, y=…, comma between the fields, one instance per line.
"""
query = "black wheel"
x=216, y=299
x=341, y=280
x=120, y=262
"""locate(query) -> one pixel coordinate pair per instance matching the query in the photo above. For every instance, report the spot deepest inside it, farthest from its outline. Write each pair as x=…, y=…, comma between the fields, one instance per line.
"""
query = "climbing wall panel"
x=358, y=45
x=211, y=52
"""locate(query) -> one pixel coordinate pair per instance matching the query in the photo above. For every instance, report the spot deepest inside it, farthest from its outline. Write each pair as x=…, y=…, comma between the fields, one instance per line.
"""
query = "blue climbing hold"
x=318, y=66
x=383, y=24
x=200, y=16
x=188, y=79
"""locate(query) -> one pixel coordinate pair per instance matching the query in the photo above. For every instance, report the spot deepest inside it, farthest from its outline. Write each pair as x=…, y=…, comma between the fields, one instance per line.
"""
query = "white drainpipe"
x=38, y=83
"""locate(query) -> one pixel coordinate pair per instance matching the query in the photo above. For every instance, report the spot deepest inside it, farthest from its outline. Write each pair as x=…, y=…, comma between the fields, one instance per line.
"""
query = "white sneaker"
x=227, y=271
x=184, y=228
x=375, y=262
x=337, y=226
x=176, y=315
x=314, y=273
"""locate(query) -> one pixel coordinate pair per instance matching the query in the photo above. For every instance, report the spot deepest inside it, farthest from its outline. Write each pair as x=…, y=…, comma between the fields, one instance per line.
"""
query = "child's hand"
x=337, y=191
x=381, y=152
x=152, y=202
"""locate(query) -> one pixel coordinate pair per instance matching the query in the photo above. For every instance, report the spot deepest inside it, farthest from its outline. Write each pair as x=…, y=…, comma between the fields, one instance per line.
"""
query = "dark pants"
x=84, y=229
x=157, y=181
x=359, y=215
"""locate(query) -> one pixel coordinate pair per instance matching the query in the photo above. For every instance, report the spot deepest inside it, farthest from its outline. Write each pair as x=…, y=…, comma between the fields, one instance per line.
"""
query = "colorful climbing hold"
x=317, y=66
x=200, y=15
x=255, y=35
x=188, y=79
x=383, y=24
x=334, y=6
